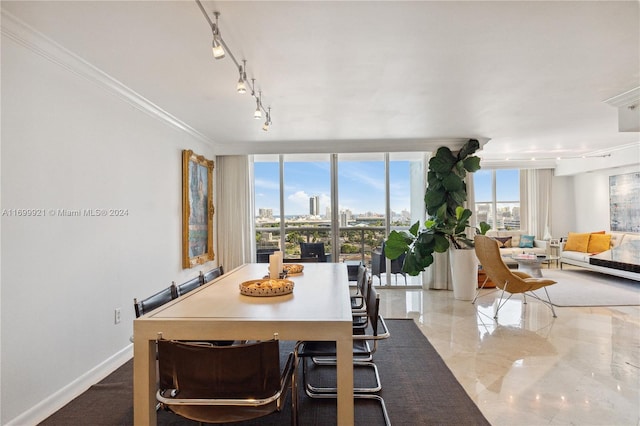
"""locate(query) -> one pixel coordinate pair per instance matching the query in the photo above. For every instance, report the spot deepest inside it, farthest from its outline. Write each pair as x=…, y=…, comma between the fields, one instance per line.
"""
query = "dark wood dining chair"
x=220, y=384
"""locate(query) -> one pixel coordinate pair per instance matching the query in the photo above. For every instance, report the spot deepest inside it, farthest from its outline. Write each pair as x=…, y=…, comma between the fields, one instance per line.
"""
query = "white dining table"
x=319, y=308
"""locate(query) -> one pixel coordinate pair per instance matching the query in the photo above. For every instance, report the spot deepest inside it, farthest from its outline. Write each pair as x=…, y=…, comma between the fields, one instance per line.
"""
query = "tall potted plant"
x=447, y=223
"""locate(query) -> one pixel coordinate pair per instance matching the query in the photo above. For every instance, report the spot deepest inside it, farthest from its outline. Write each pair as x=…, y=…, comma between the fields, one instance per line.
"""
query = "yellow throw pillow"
x=599, y=243
x=577, y=242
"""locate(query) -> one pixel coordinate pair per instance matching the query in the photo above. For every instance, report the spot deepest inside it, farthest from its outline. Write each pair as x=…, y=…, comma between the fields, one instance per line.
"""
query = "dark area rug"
x=417, y=386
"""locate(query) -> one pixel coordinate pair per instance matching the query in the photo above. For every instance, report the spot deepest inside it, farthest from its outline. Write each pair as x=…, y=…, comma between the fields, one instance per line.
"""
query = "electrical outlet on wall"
x=116, y=316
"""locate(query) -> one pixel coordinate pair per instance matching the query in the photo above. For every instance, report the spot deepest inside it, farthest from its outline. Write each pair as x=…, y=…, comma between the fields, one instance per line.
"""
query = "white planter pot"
x=464, y=273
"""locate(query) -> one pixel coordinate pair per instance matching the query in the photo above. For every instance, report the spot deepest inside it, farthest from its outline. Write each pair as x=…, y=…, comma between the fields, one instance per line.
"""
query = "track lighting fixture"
x=258, y=114
x=221, y=50
x=240, y=87
x=218, y=50
x=267, y=122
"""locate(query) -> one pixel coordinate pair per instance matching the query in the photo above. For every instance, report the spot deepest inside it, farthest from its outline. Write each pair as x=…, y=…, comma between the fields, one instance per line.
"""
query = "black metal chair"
x=313, y=250
x=300, y=260
x=220, y=384
x=262, y=254
x=363, y=282
x=379, y=265
x=154, y=301
x=190, y=285
x=365, y=344
x=212, y=274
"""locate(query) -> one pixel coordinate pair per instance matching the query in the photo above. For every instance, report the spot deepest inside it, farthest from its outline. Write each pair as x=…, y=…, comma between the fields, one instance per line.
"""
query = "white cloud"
x=267, y=184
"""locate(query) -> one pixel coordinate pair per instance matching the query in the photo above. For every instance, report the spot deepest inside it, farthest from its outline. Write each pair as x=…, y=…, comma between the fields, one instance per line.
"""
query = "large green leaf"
x=483, y=227
x=471, y=146
x=443, y=161
x=472, y=164
x=433, y=200
x=458, y=197
x=396, y=244
x=452, y=182
x=414, y=228
x=414, y=263
x=441, y=243
x=462, y=214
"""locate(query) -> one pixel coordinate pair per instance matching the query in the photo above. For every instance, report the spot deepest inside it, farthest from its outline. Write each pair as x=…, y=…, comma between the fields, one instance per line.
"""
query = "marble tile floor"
x=528, y=368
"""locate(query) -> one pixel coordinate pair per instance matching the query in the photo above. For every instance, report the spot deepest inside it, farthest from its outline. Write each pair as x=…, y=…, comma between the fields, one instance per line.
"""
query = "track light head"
x=216, y=45
x=257, y=114
x=241, y=87
x=267, y=122
x=218, y=51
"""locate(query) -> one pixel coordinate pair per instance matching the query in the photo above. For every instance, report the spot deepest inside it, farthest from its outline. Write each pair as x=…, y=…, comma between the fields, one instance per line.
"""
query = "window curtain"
x=234, y=211
x=535, y=201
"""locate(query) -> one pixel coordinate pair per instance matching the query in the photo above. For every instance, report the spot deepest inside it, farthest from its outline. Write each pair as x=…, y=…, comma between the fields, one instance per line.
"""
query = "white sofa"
x=539, y=246
x=619, y=241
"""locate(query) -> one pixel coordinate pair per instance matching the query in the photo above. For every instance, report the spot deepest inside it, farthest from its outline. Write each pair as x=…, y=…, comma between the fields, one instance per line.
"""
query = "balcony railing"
x=356, y=242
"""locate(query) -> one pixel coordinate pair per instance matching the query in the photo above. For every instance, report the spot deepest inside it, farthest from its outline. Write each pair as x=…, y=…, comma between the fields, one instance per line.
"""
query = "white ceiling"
x=344, y=76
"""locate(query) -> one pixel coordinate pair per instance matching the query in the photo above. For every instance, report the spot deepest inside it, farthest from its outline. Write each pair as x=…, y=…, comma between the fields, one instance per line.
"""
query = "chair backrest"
x=363, y=282
x=218, y=373
x=301, y=260
x=190, y=285
x=152, y=302
x=373, y=309
x=313, y=250
x=212, y=274
x=489, y=256
x=262, y=254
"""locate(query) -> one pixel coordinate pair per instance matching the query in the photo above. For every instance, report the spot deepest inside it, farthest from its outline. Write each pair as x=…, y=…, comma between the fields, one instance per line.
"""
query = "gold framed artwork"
x=197, y=209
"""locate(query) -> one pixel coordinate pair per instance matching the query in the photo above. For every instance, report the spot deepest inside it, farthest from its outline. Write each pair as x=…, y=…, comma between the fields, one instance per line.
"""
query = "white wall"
x=591, y=195
x=67, y=143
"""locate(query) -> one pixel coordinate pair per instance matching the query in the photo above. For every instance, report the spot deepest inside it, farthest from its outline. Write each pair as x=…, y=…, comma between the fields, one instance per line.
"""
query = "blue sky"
x=361, y=186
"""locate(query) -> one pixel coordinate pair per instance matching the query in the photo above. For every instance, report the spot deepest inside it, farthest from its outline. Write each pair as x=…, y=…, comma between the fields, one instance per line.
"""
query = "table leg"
x=144, y=381
x=344, y=352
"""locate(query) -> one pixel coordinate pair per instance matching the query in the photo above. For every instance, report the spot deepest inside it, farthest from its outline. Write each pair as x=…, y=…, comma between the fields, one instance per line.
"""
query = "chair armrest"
x=381, y=335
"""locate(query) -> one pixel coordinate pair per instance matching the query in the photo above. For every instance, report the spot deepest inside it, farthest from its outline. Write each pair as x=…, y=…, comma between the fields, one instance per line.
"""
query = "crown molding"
x=29, y=38
x=625, y=99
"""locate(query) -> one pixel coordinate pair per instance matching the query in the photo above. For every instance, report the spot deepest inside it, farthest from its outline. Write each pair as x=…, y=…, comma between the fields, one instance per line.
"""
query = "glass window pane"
x=266, y=171
x=482, y=185
x=484, y=213
x=362, y=203
x=507, y=185
x=508, y=215
x=307, y=202
x=400, y=193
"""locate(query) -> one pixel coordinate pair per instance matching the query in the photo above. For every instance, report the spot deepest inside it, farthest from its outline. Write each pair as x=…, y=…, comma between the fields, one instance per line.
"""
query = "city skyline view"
x=361, y=186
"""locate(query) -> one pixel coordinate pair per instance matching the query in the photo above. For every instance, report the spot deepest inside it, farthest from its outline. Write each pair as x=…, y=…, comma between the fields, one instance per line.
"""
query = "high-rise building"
x=265, y=213
x=314, y=206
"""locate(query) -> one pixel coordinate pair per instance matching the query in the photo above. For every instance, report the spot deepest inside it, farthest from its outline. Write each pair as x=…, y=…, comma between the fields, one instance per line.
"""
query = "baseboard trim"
x=56, y=401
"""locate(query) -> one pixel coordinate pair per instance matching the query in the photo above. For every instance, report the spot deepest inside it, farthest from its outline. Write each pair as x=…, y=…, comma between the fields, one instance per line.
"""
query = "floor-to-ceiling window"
x=266, y=183
x=307, y=202
x=497, y=197
x=372, y=194
x=362, y=204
